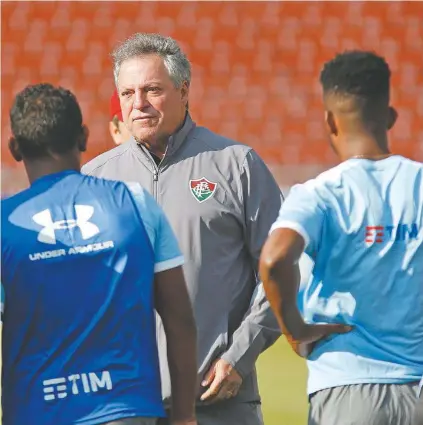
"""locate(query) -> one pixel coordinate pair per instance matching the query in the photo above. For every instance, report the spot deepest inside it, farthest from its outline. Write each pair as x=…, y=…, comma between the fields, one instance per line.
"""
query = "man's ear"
x=392, y=117
x=185, y=92
x=83, y=139
x=330, y=121
x=14, y=149
x=115, y=132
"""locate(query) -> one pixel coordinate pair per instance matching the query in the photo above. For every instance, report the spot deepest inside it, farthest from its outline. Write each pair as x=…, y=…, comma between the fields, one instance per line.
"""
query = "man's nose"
x=140, y=101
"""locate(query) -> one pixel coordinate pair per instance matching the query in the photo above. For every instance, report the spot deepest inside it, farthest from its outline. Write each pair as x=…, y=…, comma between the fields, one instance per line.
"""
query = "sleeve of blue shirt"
x=166, y=249
x=304, y=212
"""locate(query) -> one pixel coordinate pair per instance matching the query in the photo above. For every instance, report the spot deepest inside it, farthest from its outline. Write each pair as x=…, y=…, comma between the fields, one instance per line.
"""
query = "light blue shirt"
x=362, y=225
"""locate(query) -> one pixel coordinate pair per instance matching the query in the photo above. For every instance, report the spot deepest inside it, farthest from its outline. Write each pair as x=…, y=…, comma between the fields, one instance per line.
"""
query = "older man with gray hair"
x=221, y=200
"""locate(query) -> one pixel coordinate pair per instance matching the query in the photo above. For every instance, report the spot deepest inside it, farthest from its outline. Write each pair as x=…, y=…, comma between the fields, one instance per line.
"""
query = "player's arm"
x=173, y=305
x=298, y=226
x=2, y=299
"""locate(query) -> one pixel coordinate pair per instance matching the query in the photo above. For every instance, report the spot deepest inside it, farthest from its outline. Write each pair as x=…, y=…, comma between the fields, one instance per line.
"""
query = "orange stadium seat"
x=255, y=68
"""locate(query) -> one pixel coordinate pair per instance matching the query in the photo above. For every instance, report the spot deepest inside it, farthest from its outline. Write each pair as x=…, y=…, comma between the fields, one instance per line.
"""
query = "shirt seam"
x=359, y=381
x=119, y=415
x=293, y=225
x=241, y=170
x=169, y=264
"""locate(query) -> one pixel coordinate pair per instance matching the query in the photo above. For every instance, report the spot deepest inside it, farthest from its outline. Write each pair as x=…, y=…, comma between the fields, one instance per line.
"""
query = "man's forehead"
x=142, y=69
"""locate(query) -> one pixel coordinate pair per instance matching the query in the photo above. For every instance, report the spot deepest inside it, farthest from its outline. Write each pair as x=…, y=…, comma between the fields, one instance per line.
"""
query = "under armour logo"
x=82, y=212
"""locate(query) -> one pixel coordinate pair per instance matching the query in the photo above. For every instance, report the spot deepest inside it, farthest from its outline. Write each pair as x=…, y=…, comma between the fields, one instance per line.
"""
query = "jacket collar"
x=176, y=139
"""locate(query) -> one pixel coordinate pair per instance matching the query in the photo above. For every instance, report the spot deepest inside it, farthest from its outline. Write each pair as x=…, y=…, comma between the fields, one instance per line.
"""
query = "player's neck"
x=365, y=147
x=38, y=168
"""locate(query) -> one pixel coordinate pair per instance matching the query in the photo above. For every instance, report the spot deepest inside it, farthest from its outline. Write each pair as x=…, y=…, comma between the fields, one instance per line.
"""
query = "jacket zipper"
x=155, y=182
x=156, y=171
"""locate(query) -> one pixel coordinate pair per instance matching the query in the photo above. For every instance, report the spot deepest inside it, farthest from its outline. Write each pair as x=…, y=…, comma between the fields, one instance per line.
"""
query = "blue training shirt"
x=79, y=255
x=362, y=225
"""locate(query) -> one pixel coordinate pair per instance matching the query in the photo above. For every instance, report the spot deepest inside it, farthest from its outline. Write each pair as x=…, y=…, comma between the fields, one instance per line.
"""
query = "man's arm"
x=262, y=199
x=174, y=307
x=259, y=329
x=298, y=226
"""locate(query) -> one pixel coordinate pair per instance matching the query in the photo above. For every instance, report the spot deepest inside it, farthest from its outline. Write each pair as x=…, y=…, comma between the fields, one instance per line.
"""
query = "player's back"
x=368, y=272
x=77, y=274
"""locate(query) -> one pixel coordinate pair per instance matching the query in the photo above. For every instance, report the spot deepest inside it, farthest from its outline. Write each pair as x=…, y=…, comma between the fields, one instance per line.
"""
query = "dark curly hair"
x=45, y=119
x=358, y=73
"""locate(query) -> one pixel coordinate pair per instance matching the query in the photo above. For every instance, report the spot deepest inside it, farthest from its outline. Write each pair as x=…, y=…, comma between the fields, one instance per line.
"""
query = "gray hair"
x=141, y=44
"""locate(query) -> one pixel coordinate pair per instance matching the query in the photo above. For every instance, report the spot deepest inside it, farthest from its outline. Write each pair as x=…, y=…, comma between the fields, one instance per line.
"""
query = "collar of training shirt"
x=176, y=139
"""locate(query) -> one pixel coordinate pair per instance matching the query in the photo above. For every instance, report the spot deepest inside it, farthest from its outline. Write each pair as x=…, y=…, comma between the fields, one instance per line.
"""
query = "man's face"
x=152, y=107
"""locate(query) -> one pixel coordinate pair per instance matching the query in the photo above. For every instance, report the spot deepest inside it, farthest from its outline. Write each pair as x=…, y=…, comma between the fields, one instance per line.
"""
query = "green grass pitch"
x=282, y=381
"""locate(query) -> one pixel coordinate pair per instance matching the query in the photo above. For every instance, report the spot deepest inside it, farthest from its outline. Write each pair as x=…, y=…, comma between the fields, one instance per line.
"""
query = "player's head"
x=356, y=91
x=152, y=75
x=117, y=128
x=46, y=124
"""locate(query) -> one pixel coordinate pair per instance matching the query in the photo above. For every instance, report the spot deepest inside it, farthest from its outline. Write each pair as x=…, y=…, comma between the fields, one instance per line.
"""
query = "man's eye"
x=154, y=89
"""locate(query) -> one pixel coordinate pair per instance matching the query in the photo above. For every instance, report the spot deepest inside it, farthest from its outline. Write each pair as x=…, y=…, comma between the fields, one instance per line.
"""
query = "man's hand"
x=310, y=335
x=223, y=382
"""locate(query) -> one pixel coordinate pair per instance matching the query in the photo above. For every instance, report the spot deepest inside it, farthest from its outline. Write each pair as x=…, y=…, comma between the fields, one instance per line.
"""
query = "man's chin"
x=145, y=136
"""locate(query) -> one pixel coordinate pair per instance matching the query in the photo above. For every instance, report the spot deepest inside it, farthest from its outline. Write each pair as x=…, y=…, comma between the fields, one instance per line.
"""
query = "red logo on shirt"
x=374, y=234
x=202, y=189
x=398, y=233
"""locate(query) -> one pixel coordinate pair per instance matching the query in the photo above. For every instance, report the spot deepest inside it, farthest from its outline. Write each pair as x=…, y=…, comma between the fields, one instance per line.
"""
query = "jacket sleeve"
x=262, y=200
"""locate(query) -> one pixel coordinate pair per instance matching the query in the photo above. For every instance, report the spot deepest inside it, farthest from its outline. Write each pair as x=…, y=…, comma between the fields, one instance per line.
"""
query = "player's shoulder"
x=324, y=188
x=142, y=196
x=410, y=163
x=11, y=202
x=148, y=208
x=138, y=191
x=102, y=159
x=11, y=208
x=329, y=178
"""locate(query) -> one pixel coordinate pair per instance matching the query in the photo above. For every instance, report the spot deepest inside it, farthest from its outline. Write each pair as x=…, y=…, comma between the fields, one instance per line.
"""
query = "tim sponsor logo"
x=80, y=383
x=399, y=233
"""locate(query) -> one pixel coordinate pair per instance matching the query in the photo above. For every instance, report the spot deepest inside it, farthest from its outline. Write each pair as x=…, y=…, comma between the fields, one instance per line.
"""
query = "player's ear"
x=14, y=149
x=83, y=139
x=392, y=117
x=330, y=121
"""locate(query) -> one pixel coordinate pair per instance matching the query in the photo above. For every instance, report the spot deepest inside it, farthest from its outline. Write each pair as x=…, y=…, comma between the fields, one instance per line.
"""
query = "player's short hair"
x=357, y=73
x=45, y=119
x=140, y=44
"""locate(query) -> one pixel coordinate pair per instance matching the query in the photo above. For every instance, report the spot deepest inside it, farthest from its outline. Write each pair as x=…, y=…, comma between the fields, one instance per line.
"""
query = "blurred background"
x=255, y=79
